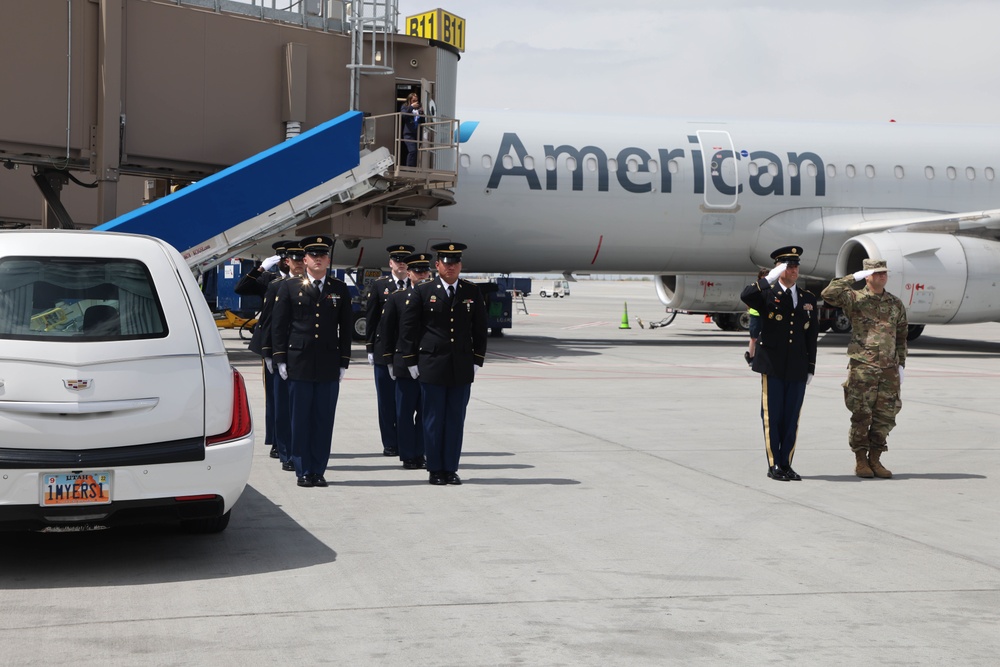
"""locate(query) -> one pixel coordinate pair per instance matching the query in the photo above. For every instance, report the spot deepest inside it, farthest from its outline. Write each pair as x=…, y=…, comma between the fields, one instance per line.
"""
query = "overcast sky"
x=857, y=60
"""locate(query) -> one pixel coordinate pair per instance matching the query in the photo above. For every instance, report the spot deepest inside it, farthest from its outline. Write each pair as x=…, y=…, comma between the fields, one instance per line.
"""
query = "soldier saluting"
x=785, y=356
x=877, y=355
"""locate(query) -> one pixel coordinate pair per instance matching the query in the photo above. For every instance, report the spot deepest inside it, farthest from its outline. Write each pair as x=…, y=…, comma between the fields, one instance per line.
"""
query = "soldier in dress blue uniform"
x=311, y=332
x=785, y=355
x=385, y=388
x=409, y=421
x=255, y=283
x=262, y=344
x=442, y=338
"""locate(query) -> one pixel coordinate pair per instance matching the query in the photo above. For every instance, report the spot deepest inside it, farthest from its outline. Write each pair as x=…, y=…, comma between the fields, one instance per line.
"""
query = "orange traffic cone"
x=624, y=324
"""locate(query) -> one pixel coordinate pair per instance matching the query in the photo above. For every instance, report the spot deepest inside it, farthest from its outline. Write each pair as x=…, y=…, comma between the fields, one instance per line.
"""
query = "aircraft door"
x=721, y=169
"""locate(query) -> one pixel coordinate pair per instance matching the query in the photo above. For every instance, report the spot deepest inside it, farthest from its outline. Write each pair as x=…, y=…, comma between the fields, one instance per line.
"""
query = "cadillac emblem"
x=78, y=385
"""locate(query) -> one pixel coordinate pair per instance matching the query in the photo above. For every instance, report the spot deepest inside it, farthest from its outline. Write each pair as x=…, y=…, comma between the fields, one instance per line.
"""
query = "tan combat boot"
x=861, y=468
x=877, y=468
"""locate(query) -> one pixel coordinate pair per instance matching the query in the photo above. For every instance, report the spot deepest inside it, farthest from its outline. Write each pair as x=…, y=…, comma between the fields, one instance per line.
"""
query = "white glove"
x=269, y=364
x=475, y=370
x=861, y=275
x=270, y=262
x=809, y=378
x=343, y=371
x=283, y=370
x=371, y=359
x=414, y=372
x=392, y=373
x=776, y=272
x=900, y=375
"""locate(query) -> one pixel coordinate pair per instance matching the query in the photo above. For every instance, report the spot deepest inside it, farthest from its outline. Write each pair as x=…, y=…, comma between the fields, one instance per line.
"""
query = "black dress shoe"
x=437, y=479
x=775, y=472
x=452, y=478
x=288, y=465
x=421, y=462
x=319, y=480
x=411, y=464
x=274, y=451
x=388, y=451
x=791, y=474
x=305, y=480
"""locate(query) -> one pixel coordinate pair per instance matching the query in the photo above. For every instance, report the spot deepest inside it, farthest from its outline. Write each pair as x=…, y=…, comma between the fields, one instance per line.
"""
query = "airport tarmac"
x=615, y=511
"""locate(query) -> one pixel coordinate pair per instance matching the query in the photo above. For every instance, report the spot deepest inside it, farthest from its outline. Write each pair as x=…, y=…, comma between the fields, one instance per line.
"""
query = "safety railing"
x=433, y=153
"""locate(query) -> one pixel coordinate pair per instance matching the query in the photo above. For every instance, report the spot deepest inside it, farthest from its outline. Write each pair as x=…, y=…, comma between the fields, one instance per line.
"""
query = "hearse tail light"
x=242, y=424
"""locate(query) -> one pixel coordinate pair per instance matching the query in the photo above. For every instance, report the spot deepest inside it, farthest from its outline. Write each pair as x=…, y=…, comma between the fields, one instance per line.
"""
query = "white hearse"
x=118, y=404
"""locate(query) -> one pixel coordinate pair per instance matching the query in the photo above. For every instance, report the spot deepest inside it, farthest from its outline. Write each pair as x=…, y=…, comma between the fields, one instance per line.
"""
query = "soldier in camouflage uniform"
x=877, y=353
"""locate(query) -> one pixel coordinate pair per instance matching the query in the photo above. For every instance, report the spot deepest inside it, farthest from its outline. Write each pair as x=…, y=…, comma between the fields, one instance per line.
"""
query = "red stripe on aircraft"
x=597, y=252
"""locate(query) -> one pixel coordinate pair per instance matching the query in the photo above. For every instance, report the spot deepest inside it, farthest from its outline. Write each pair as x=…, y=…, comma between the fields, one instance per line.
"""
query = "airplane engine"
x=713, y=294
x=941, y=278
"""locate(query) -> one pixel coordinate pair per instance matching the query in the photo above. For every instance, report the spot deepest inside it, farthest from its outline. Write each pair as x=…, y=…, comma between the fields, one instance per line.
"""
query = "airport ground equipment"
x=560, y=288
x=264, y=195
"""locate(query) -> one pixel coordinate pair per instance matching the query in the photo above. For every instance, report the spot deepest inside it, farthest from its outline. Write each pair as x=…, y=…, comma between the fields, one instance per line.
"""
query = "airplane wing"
x=984, y=224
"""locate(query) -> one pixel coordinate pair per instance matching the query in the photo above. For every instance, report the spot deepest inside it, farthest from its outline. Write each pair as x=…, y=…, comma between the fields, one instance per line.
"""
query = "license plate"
x=76, y=488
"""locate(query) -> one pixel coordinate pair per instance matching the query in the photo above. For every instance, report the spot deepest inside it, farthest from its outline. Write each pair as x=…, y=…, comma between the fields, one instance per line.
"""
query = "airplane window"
x=793, y=169
x=571, y=163
x=633, y=165
x=487, y=162
x=811, y=170
x=550, y=163
x=869, y=171
x=929, y=172
x=465, y=160
x=673, y=166
x=898, y=171
x=831, y=171
x=612, y=164
x=772, y=169
x=753, y=169
x=508, y=162
x=591, y=164
x=952, y=173
x=529, y=162
x=970, y=173
x=988, y=172
x=849, y=170
x=654, y=166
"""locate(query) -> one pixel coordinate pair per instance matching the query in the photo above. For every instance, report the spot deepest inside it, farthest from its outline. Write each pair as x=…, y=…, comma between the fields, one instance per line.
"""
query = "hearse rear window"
x=78, y=299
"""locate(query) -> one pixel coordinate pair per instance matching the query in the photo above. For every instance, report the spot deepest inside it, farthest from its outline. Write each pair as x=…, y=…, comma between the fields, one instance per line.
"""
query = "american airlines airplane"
x=702, y=204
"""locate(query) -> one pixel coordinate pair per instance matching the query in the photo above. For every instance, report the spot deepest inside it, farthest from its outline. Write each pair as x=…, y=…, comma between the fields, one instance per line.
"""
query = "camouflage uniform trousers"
x=872, y=395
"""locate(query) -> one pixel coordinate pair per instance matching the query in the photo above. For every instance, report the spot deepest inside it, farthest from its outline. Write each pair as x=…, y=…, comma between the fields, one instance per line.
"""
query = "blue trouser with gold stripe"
x=780, y=404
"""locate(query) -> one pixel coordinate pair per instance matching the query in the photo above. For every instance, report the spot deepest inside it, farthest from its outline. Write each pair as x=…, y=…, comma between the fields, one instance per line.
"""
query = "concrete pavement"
x=615, y=511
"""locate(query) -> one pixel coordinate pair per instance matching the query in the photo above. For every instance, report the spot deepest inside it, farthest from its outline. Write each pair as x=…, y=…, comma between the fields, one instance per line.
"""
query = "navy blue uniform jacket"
x=443, y=338
x=786, y=348
x=378, y=293
x=310, y=332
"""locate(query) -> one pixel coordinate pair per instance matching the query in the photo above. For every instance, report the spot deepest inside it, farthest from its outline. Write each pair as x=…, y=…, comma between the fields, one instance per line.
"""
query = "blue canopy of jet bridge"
x=240, y=192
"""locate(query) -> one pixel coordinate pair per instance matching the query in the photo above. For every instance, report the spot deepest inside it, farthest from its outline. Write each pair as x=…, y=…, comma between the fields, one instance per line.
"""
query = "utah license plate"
x=76, y=488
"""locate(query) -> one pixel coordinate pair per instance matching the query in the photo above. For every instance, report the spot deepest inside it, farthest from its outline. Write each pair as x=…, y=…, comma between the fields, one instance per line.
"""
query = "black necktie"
x=401, y=283
x=451, y=292
x=318, y=284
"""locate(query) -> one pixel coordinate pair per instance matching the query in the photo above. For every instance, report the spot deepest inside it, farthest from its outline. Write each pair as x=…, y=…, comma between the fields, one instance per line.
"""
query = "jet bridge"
x=264, y=195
